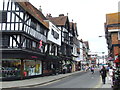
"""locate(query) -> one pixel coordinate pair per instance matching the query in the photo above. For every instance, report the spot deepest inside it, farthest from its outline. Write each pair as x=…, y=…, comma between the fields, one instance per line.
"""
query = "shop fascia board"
x=114, y=30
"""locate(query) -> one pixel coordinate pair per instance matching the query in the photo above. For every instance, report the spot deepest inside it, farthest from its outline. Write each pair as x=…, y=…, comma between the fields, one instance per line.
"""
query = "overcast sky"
x=89, y=15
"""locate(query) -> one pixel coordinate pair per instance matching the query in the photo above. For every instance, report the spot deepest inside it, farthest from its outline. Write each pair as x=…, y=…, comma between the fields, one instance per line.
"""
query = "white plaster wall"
x=50, y=36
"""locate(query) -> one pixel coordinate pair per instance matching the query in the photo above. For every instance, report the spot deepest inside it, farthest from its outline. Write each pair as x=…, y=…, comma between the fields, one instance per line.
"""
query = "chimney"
x=61, y=15
x=49, y=15
x=72, y=20
x=40, y=9
x=67, y=14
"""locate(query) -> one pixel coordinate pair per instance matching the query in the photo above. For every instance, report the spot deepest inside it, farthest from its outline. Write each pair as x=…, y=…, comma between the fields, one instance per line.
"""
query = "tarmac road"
x=79, y=80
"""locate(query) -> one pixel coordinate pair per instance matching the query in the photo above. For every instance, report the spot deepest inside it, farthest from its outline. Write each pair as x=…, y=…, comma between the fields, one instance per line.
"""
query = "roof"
x=86, y=43
x=112, y=18
x=59, y=21
x=28, y=7
x=75, y=28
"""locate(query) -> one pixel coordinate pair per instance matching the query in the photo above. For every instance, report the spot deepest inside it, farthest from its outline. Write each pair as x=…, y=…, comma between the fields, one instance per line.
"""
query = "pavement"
x=108, y=84
x=44, y=80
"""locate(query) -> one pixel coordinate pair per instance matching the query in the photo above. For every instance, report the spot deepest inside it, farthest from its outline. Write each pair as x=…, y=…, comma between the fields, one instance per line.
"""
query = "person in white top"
x=110, y=73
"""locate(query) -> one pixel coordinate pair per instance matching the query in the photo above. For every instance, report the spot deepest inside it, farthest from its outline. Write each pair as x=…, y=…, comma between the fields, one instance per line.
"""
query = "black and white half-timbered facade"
x=24, y=34
x=53, y=49
x=62, y=22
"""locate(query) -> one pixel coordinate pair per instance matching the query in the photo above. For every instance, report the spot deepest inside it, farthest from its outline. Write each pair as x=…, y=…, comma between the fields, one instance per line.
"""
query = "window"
x=24, y=43
x=118, y=35
x=52, y=32
x=33, y=24
x=5, y=40
x=34, y=44
x=42, y=31
x=55, y=34
x=38, y=28
x=3, y=16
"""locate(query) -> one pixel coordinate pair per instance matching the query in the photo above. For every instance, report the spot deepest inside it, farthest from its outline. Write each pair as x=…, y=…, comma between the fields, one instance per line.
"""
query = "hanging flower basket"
x=117, y=60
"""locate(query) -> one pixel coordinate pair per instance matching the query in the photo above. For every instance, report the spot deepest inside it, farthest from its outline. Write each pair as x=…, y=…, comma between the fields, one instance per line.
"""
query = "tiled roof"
x=59, y=21
x=74, y=25
x=75, y=28
x=28, y=7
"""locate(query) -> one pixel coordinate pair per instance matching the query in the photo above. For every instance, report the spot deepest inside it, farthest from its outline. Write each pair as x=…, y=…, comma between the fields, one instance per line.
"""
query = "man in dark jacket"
x=103, y=72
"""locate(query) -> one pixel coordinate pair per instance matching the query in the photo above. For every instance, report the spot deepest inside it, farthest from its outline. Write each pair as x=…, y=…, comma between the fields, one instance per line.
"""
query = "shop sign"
x=34, y=56
x=40, y=44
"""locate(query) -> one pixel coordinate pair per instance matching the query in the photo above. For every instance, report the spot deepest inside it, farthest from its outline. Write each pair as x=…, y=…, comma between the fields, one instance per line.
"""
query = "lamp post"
x=102, y=36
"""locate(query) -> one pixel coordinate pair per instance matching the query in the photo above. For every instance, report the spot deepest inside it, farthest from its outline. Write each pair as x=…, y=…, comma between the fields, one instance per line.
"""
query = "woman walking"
x=92, y=69
x=103, y=72
x=110, y=74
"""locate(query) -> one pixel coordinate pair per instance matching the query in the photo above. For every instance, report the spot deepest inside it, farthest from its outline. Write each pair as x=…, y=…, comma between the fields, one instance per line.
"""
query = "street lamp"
x=102, y=36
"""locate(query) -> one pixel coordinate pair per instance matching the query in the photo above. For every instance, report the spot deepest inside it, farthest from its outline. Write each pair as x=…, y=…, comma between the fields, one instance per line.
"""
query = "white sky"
x=89, y=15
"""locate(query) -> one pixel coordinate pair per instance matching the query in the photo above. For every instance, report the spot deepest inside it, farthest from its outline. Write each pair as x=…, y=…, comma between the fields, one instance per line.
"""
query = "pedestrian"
x=103, y=73
x=92, y=69
x=110, y=74
x=108, y=68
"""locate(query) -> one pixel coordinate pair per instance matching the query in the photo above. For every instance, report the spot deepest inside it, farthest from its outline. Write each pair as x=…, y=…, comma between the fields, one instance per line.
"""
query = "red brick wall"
x=116, y=49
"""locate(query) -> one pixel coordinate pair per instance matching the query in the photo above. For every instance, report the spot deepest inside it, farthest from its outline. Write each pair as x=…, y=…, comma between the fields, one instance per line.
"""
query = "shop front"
x=16, y=68
x=20, y=65
x=52, y=65
x=10, y=68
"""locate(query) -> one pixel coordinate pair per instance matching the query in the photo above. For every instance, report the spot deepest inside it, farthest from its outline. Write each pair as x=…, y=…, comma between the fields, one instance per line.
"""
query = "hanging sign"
x=40, y=44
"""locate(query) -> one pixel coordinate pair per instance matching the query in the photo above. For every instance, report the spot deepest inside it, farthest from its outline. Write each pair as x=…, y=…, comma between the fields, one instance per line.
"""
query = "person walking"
x=110, y=73
x=92, y=69
x=103, y=73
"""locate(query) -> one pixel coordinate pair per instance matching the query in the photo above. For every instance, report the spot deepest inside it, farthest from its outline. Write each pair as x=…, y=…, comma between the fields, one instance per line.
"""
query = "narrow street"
x=79, y=80
x=51, y=44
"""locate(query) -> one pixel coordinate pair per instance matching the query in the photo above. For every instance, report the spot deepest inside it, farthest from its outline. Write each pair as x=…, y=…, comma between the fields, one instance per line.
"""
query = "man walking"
x=103, y=72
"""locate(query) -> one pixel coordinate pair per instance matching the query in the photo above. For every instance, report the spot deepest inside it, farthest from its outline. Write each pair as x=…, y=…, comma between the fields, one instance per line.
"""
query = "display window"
x=32, y=67
x=38, y=67
x=10, y=68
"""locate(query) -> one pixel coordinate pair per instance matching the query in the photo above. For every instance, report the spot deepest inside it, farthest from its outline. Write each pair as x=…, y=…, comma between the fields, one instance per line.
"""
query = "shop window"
x=46, y=65
x=11, y=68
x=32, y=67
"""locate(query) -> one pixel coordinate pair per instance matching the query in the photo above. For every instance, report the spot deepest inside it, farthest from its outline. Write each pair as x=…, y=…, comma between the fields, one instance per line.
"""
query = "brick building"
x=112, y=33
